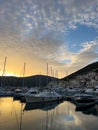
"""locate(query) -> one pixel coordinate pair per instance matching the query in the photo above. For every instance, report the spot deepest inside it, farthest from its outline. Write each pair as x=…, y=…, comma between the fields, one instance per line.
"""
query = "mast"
x=47, y=74
x=56, y=75
x=3, y=71
x=24, y=72
x=39, y=80
x=47, y=69
x=67, y=78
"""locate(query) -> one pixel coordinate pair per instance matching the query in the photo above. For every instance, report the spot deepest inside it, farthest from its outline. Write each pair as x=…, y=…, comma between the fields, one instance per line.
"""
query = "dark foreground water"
x=57, y=116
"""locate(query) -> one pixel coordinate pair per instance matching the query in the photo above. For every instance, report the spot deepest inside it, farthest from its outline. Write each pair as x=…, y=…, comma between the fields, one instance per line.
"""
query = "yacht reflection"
x=93, y=110
x=43, y=106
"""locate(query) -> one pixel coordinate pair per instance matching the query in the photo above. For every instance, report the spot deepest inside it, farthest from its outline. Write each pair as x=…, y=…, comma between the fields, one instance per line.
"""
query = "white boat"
x=31, y=92
x=45, y=96
x=89, y=91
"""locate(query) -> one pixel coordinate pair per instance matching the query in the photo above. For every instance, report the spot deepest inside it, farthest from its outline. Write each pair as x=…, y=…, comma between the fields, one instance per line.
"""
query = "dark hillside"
x=36, y=80
x=88, y=68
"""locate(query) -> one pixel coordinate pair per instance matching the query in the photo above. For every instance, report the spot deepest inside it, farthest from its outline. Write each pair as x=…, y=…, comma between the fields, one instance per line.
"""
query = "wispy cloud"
x=54, y=15
x=87, y=55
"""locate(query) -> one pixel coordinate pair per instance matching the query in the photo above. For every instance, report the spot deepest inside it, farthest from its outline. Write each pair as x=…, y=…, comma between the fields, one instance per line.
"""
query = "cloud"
x=88, y=54
x=53, y=15
x=34, y=28
x=24, y=17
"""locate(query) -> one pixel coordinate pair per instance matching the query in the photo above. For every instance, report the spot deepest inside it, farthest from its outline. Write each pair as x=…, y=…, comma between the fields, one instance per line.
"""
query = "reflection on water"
x=93, y=110
x=52, y=116
x=43, y=106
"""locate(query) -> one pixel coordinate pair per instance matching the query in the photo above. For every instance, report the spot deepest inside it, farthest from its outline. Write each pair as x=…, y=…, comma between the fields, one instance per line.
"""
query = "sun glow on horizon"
x=10, y=74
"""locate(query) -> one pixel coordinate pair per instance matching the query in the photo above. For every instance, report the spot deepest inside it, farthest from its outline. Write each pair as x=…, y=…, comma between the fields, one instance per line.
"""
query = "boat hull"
x=34, y=99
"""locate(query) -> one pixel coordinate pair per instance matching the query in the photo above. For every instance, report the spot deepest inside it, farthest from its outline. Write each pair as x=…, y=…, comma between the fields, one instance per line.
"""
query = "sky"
x=62, y=33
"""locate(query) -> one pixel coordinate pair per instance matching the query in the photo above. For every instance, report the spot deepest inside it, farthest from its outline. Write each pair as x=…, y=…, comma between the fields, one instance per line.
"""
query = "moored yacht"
x=45, y=96
x=31, y=92
x=84, y=100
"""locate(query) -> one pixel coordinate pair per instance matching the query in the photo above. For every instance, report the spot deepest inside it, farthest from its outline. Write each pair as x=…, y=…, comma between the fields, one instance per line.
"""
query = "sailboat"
x=18, y=94
x=44, y=96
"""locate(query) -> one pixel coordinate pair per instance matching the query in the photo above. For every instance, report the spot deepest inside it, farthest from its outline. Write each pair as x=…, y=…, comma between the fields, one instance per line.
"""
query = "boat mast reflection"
x=48, y=108
x=21, y=117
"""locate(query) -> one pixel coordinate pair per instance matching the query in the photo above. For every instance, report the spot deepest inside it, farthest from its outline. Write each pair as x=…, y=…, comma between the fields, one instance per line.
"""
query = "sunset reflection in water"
x=60, y=116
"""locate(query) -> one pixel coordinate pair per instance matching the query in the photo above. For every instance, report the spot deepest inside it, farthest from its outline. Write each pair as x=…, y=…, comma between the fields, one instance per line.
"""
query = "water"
x=58, y=116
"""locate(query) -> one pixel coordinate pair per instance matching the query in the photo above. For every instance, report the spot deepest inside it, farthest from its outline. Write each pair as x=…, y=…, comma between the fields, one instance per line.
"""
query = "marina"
x=48, y=64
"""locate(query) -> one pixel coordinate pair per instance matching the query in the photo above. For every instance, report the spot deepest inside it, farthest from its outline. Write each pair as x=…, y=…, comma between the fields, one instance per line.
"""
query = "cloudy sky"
x=62, y=33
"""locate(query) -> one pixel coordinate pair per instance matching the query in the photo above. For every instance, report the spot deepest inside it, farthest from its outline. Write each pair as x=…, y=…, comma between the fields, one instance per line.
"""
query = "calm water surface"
x=58, y=116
